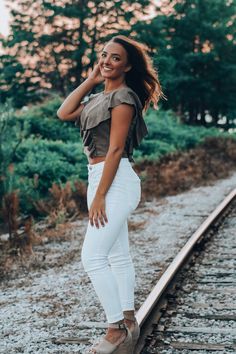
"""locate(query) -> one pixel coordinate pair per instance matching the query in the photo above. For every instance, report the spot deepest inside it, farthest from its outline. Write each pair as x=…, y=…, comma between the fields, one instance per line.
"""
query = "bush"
x=167, y=134
x=42, y=122
x=39, y=163
x=50, y=151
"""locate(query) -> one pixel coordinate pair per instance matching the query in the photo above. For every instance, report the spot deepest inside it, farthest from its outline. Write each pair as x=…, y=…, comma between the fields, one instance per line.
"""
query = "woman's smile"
x=106, y=68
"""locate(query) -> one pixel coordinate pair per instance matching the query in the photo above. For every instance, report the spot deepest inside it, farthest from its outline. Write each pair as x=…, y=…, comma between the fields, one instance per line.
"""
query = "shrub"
x=167, y=134
x=50, y=151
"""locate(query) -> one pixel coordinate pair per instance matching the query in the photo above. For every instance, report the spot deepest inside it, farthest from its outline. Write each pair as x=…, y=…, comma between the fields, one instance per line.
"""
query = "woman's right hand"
x=71, y=108
x=95, y=75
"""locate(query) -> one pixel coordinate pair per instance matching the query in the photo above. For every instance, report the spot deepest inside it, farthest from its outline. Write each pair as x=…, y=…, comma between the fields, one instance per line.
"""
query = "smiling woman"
x=111, y=126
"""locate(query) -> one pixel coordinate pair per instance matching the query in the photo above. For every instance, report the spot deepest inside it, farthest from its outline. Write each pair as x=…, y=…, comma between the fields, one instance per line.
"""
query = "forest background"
x=51, y=48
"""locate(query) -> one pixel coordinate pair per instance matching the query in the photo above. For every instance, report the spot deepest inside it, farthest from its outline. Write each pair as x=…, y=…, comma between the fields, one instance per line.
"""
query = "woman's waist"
x=95, y=160
x=97, y=163
x=124, y=171
x=92, y=160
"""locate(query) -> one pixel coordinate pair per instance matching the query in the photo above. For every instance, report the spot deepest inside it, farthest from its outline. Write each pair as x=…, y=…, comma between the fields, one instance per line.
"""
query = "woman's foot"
x=118, y=339
x=115, y=336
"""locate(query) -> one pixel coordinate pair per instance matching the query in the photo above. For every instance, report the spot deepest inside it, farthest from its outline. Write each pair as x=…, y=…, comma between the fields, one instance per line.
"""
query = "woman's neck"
x=111, y=85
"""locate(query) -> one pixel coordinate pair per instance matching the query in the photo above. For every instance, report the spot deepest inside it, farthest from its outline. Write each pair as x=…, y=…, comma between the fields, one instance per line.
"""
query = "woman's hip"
x=125, y=190
x=125, y=172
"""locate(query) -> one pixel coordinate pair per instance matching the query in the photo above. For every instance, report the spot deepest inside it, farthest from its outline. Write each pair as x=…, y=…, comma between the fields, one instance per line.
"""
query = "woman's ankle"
x=130, y=324
x=117, y=326
x=129, y=315
x=116, y=331
x=129, y=319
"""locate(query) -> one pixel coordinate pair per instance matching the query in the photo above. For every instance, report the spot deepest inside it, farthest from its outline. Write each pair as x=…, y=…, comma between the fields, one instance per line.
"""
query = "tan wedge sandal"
x=135, y=332
x=106, y=347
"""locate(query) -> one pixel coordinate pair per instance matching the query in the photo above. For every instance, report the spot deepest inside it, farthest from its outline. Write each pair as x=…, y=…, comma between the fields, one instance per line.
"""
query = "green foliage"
x=192, y=44
x=40, y=162
x=37, y=149
x=167, y=134
x=190, y=41
x=12, y=133
x=10, y=85
x=42, y=121
x=59, y=56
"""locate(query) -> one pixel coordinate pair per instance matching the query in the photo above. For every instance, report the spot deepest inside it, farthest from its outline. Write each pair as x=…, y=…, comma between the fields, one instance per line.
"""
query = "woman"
x=111, y=125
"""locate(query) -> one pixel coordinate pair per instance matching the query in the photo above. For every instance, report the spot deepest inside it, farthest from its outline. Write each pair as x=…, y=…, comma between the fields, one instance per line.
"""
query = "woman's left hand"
x=97, y=211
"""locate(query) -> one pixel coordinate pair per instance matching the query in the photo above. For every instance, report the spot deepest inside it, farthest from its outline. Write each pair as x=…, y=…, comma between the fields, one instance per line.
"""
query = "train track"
x=192, y=308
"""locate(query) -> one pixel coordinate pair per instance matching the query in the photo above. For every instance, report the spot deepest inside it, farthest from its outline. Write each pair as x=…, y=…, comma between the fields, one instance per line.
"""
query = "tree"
x=194, y=49
x=11, y=85
x=56, y=42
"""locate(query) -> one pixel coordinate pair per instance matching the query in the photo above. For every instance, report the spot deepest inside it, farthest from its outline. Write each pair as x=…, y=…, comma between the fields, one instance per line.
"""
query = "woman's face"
x=113, y=61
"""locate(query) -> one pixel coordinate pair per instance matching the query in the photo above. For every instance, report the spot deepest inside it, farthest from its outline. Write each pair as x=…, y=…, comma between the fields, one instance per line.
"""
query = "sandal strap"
x=117, y=325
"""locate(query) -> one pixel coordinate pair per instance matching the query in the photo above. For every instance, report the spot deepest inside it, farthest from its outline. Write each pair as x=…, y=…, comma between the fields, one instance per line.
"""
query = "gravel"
x=58, y=300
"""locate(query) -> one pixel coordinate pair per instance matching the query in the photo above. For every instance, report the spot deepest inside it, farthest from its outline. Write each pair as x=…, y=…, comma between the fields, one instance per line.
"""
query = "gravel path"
x=59, y=299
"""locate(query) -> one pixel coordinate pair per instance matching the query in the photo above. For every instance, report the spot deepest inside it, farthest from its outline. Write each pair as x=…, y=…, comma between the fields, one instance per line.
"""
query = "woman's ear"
x=128, y=68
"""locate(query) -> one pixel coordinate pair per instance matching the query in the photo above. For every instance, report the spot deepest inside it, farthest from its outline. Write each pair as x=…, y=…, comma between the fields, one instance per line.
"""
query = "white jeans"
x=105, y=252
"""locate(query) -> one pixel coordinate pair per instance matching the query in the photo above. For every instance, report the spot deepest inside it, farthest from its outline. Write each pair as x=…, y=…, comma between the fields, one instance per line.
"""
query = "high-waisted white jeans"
x=105, y=252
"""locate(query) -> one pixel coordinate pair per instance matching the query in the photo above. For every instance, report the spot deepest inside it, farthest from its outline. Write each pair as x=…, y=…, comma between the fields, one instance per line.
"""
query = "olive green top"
x=95, y=120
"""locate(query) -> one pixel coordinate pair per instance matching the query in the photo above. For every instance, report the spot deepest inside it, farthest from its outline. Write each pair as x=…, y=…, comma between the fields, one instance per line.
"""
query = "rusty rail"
x=175, y=265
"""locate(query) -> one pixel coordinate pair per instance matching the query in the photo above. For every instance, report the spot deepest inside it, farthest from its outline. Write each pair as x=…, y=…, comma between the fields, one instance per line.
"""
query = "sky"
x=4, y=18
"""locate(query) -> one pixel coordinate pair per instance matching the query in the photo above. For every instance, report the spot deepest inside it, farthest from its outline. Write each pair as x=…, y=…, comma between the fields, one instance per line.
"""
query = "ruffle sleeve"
x=128, y=96
x=121, y=96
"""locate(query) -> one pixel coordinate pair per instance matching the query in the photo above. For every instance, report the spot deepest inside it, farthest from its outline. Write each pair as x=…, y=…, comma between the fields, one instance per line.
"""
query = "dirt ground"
x=48, y=294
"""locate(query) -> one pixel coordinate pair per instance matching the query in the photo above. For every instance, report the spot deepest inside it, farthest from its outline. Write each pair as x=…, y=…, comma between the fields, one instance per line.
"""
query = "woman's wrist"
x=87, y=86
x=100, y=194
x=90, y=81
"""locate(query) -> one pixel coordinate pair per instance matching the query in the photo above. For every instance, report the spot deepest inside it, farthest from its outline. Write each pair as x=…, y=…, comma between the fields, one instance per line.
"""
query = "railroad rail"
x=151, y=311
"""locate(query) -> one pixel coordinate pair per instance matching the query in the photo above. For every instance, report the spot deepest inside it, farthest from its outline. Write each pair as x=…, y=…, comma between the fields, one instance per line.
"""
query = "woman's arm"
x=71, y=107
x=121, y=117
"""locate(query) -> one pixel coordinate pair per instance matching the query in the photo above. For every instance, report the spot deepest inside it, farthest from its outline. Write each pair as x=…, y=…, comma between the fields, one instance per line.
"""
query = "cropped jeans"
x=105, y=253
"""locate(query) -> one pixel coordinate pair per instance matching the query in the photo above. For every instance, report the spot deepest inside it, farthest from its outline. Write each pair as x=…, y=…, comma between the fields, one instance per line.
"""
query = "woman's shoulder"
x=123, y=91
x=124, y=95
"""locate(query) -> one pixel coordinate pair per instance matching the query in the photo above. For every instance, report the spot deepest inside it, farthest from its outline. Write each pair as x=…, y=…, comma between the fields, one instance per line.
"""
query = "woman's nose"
x=107, y=60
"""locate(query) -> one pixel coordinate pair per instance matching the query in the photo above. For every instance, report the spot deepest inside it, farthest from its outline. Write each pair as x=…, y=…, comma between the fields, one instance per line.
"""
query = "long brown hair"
x=142, y=77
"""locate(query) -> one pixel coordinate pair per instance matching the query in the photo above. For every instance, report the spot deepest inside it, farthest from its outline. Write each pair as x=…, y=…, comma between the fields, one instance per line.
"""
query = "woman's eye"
x=103, y=55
